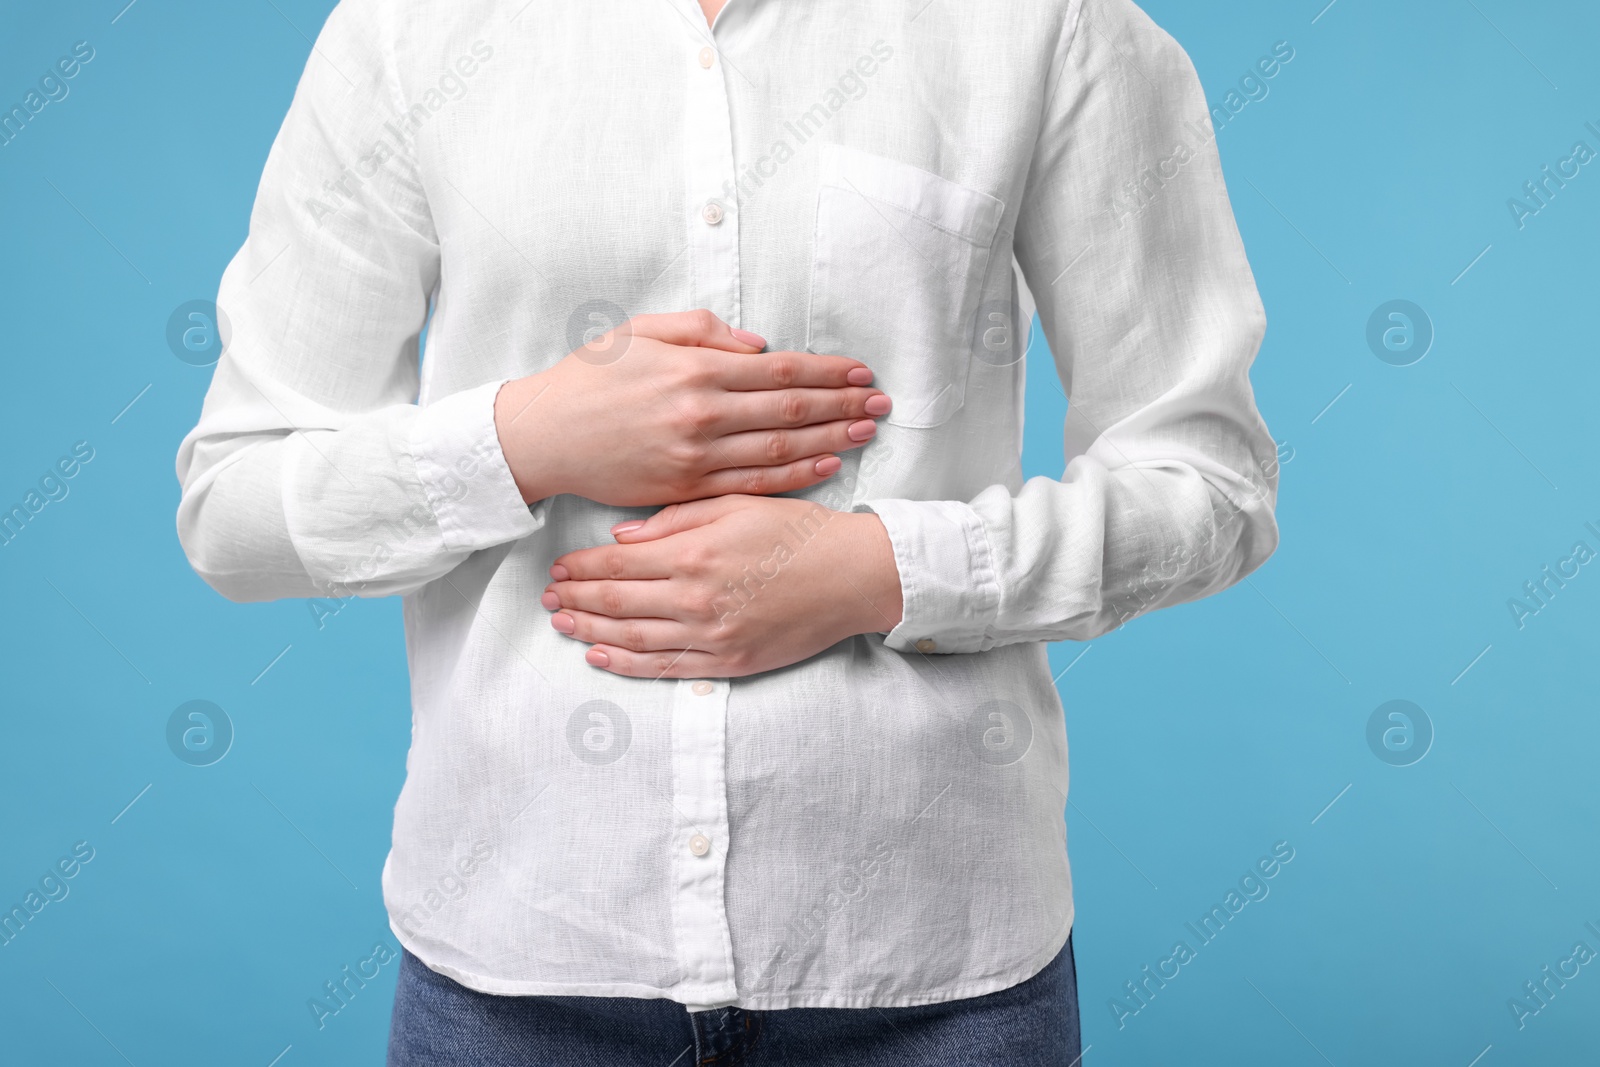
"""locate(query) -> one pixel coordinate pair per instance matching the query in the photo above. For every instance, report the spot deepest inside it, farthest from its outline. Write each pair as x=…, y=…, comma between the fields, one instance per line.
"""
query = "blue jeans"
x=440, y=1023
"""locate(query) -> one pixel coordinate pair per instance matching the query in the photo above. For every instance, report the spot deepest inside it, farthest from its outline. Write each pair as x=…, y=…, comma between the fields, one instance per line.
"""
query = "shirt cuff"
x=948, y=585
x=474, y=498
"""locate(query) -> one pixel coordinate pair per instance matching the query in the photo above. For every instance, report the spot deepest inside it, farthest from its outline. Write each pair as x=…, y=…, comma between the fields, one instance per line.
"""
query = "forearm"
x=868, y=575
x=370, y=504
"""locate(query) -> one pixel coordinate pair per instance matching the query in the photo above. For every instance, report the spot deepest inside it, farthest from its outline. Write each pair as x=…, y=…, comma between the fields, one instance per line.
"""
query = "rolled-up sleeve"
x=312, y=470
x=1128, y=242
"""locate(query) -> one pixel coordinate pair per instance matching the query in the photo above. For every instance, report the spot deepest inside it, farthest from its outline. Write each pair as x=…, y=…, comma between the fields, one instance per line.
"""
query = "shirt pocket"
x=900, y=259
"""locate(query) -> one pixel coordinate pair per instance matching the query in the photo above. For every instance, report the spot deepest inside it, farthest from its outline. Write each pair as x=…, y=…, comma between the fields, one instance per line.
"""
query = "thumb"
x=675, y=518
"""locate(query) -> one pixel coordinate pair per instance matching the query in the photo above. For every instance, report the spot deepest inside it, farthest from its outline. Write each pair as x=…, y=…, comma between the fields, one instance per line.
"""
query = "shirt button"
x=712, y=213
x=707, y=57
x=699, y=844
x=927, y=644
x=702, y=688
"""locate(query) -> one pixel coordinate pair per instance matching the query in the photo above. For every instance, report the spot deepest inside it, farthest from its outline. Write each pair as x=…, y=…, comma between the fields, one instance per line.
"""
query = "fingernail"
x=550, y=601
x=879, y=404
x=862, y=431
x=627, y=527
x=859, y=376
x=597, y=658
x=749, y=338
x=563, y=622
x=829, y=465
x=558, y=572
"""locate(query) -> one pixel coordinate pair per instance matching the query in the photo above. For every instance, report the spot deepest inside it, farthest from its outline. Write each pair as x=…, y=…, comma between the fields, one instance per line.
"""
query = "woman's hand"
x=667, y=408
x=726, y=587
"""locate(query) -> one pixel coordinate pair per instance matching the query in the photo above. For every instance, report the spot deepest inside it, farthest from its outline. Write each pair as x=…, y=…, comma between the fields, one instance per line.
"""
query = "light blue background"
x=1412, y=509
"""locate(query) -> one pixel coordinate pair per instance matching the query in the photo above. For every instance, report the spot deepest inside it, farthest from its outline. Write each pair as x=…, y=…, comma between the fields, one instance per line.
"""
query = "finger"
x=788, y=408
x=616, y=562
x=789, y=370
x=765, y=481
x=674, y=518
x=619, y=600
x=635, y=635
x=695, y=329
x=670, y=663
x=761, y=448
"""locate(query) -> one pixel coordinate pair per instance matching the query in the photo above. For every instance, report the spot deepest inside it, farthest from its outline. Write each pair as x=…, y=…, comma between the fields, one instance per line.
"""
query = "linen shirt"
x=899, y=181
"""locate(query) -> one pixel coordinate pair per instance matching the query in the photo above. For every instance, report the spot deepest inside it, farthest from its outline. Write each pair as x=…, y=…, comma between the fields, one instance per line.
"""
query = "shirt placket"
x=699, y=708
x=710, y=207
x=700, y=842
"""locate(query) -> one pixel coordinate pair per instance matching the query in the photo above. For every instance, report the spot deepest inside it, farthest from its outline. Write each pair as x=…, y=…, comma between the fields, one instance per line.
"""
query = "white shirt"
x=879, y=825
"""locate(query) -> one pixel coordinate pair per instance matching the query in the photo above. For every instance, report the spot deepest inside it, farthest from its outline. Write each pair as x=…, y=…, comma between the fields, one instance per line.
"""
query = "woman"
x=726, y=604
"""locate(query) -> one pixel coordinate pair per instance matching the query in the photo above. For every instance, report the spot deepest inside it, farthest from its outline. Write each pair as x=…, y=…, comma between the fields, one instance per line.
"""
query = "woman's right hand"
x=668, y=408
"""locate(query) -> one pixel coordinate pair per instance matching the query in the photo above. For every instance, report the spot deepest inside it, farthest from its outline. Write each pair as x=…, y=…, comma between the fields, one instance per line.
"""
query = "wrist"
x=523, y=427
x=876, y=577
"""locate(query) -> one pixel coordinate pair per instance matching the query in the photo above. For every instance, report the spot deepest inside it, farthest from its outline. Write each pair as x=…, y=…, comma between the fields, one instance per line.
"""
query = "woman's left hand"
x=727, y=586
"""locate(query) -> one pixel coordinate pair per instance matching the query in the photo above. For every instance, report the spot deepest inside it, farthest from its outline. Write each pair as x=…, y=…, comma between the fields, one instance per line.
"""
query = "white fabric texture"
x=882, y=824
